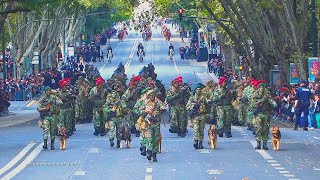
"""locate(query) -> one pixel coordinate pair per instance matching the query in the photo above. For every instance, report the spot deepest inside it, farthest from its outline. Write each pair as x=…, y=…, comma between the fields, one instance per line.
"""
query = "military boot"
x=52, y=144
x=228, y=135
x=149, y=155
x=45, y=144
x=258, y=145
x=295, y=127
x=172, y=130
x=220, y=134
x=195, y=145
x=96, y=132
x=111, y=142
x=265, y=145
x=118, y=143
x=154, y=157
x=103, y=133
x=200, y=145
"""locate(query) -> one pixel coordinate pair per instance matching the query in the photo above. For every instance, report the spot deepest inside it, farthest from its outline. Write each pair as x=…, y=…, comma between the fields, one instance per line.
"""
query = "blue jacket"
x=304, y=94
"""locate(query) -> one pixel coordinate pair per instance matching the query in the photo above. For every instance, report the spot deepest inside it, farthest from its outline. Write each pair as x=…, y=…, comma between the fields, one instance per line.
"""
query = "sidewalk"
x=18, y=117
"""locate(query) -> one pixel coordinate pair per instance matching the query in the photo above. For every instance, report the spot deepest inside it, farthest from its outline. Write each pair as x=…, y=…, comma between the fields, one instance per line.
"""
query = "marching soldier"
x=98, y=96
x=246, y=96
x=82, y=101
x=114, y=111
x=176, y=98
x=262, y=103
x=48, y=116
x=150, y=110
x=224, y=96
x=208, y=92
x=65, y=116
x=197, y=113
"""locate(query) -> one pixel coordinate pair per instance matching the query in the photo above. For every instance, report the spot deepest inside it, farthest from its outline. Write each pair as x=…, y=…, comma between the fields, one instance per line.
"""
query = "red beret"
x=222, y=80
x=63, y=83
x=99, y=81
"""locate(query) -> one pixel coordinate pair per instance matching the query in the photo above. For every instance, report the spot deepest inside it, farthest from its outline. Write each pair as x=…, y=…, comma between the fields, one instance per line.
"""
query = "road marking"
x=214, y=171
x=175, y=66
x=316, y=137
x=152, y=53
x=284, y=172
x=272, y=161
x=148, y=177
x=79, y=173
x=23, y=105
x=149, y=170
x=128, y=63
x=30, y=103
x=294, y=179
x=204, y=151
x=16, y=159
x=93, y=150
x=288, y=175
x=113, y=53
x=24, y=163
x=316, y=169
x=263, y=153
x=275, y=165
x=279, y=168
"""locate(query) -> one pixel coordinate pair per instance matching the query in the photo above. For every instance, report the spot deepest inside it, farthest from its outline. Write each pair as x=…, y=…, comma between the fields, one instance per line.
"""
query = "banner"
x=313, y=65
x=294, y=74
x=70, y=51
x=274, y=77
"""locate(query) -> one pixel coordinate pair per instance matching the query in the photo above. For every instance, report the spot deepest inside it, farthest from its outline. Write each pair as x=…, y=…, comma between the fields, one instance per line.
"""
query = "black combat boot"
x=137, y=133
x=154, y=157
x=52, y=144
x=295, y=127
x=305, y=129
x=220, y=134
x=102, y=133
x=111, y=142
x=149, y=155
x=96, y=132
x=258, y=145
x=228, y=135
x=265, y=145
x=173, y=130
x=118, y=144
x=45, y=144
x=200, y=145
x=195, y=145
x=143, y=151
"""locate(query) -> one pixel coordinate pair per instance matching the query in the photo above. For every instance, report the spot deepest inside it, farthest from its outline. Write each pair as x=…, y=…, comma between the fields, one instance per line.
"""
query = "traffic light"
x=180, y=11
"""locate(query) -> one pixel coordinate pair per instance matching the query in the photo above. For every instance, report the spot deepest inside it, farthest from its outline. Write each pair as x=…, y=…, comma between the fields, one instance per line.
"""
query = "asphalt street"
x=90, y=157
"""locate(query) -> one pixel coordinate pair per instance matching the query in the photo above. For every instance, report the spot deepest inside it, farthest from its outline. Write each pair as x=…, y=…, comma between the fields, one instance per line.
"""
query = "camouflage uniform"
x=149, y=109
x=130, y=98
x=241, y=107
x=212, y=109
x=114, y=110
x=261, y=102
x=84, y=108
x=224, y=98
x=196, y=106
x=98, y=97
x=65, y=116
x=48, y=108
x=177, y=99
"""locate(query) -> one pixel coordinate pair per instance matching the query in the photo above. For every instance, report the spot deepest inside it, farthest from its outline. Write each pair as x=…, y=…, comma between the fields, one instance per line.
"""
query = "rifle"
x=194, y=111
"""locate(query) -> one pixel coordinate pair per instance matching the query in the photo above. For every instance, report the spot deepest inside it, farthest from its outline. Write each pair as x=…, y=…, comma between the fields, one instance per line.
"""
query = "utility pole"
x=4, y=53
x=314, y=29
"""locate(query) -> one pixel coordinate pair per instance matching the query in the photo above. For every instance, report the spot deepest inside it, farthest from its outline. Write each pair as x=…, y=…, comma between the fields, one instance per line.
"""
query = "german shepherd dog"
x=212, y=134
x=276, y=137
x=125, y=133
x=63, y=138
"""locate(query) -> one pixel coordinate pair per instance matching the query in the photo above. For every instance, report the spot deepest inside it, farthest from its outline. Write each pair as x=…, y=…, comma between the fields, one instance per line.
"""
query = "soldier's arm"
x=190, y=103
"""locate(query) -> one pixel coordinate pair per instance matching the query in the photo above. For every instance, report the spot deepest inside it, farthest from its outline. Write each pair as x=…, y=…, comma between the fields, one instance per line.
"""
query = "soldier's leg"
x=117, y=126
x=265, y=131
x=148, y=141
x=196, y=135
x=46, y=133
x=68, y=121
x=183, y=122
x=202, y=123
x=96, y=121
x=156, y=138
x=257, y=122
x=220, y=121
x=228, y=119
x=53, y=130
x=143, y=143
x=102, y=123
x=173, y=120
x=111, y=132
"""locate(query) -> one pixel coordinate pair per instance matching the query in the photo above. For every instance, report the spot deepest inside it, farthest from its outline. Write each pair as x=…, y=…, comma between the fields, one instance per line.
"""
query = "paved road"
x=90, y=157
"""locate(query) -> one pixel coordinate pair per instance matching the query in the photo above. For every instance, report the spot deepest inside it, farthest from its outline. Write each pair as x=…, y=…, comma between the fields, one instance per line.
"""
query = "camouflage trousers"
x=65, y=119
x=98, y=119
x=114, y=125
x=198, y=127
x=249, y=118
x=178, y=118
x=150, y=138
x=242, y=115
x=261, y=123
x=83, y=110
x=224, y=119
x=212, y=114
x=49, y=126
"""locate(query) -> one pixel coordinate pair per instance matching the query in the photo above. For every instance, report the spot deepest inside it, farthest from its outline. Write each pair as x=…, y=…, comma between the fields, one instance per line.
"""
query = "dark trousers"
x=298, y=112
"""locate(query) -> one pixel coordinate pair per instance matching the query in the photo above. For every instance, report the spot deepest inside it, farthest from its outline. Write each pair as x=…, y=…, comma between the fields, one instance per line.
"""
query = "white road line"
x=279, y=168
x=152, y=53
x=272, y=161
x=263, y=153
x=30, y=103
x=149, y=170
x=113, y=52
x=274, y=165
x=127, y=65
x=23, y=105
x=148, y=177
x=24, y=163
x=294, y=179
x=16, y=159
x=288, y=175
x=284, y=172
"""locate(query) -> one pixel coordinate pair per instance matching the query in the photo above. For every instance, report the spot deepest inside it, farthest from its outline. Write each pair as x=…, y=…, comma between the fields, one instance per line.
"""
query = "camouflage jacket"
x=67, y=98
x=223, y=97
x=98, y=96
x=197, y=104
x=177, y=97
x=51, y=102
x=261, y=101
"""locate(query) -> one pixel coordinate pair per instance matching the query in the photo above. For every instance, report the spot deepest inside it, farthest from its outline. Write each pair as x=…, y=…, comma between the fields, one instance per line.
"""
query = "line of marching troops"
x=138, y=106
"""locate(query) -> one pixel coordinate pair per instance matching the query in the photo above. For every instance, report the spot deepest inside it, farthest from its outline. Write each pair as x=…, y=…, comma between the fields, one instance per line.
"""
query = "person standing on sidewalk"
x=48, y=116
x=302, y=103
